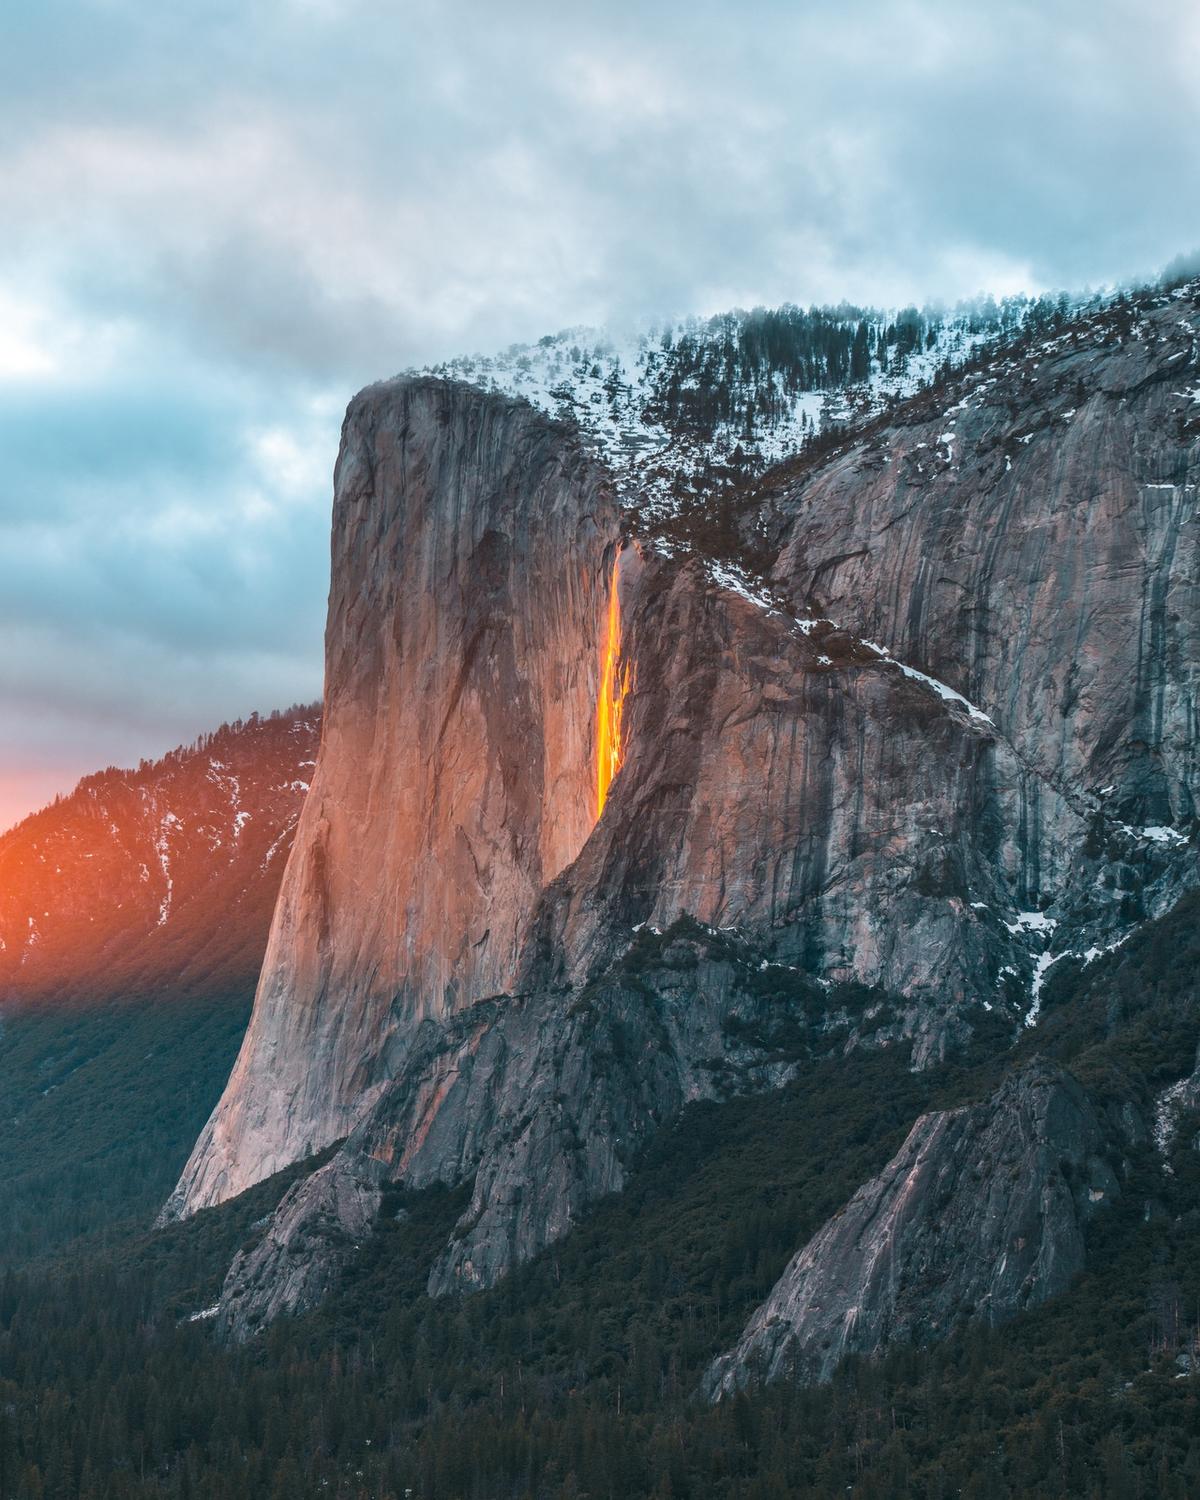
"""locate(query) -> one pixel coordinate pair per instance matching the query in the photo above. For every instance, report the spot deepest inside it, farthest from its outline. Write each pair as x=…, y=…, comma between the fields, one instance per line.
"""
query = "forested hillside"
x=869, y=856
x=99, y=1106
x=578, y=1376
x=158, y=881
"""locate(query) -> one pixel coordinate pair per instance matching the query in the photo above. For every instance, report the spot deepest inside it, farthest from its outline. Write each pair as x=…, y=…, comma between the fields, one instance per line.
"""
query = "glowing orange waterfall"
x=614, y=685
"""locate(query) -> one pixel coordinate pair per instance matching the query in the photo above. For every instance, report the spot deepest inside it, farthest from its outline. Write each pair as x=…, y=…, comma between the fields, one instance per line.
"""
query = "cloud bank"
x=222, y=219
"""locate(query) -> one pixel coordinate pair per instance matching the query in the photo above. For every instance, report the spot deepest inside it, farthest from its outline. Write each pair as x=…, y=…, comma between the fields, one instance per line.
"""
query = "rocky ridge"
x=979, y=1215
x=838, y=768
x=157, y=881
x=677, y=409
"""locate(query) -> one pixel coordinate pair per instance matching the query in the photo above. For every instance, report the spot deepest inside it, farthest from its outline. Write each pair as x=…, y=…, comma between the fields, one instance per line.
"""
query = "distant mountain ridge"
x=160, y=879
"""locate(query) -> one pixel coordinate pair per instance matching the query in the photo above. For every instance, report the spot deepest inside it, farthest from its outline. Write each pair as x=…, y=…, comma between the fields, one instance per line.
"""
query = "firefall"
x=614, y=686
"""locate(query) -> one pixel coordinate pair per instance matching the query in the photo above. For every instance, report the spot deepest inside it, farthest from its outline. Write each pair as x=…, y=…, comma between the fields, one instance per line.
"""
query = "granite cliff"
x=979, y=1215
x=942, y=738
x=472, y=542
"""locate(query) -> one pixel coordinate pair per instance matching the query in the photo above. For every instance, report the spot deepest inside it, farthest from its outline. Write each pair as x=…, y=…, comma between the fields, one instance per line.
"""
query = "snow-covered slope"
x=674, y=409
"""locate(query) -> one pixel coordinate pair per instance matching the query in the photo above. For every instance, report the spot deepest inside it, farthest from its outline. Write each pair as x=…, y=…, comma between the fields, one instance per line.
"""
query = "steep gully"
x=551, y=988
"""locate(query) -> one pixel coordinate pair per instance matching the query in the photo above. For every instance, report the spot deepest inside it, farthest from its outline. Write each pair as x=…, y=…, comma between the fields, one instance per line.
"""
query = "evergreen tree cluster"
x=577, y=1377
x=743, y=370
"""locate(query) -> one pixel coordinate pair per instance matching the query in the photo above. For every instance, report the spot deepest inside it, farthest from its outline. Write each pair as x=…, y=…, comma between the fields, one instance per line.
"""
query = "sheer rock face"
x=782, y=785
x=456, y=772
x=786, y=782
x=980, y=1214
x=1035, y=545
x=446, y=985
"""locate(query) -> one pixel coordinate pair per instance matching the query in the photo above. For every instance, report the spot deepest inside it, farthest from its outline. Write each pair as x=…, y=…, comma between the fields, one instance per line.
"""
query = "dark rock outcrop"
x=979, y=1215
x=318, y=1227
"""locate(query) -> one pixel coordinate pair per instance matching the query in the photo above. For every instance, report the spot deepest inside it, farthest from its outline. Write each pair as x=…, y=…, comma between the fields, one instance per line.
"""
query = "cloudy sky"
x=221, y=218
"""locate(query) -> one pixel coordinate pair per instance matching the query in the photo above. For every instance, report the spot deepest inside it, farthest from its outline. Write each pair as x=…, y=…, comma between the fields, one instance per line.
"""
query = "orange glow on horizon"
x=614, y=687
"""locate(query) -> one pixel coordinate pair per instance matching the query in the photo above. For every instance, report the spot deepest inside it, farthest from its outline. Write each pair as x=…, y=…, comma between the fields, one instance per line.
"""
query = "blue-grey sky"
x=221, y=218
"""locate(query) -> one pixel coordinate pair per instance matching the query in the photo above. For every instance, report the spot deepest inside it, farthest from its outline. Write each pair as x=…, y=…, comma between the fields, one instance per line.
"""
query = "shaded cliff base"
x=529, y=1110
x=579, y=1373
x=540, y=1106
x=986, y=1211
x=543, y=1099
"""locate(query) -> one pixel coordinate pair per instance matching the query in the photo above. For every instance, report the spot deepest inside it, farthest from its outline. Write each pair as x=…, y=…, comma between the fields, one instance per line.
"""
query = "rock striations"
x=471, y=544
x=1034, y=545
x=980, y=1214
x=951, y=743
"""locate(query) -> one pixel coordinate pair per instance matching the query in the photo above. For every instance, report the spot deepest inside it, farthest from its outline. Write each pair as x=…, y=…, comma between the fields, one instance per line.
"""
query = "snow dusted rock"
x=668, y=406
x=160, y=881
x=1035, y=544
x=1172, y=1103
x=445, y=983
x=980, y=1214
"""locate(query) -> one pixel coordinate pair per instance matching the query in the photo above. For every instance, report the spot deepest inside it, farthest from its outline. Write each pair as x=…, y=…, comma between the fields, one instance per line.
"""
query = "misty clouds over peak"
x=221, y=220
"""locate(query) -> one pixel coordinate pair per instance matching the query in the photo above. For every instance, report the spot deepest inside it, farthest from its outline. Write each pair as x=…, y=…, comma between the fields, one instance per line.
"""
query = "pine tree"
x=860, y=354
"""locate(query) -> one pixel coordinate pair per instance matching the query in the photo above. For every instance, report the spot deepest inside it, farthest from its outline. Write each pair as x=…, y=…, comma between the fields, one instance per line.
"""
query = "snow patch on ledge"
x=737, y=582
x=946, y=693
x=1094, y=953
x=1032, y=921
x=727, y=576
x=1041, y=968
x=1026, y=924
x=1157, y=833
